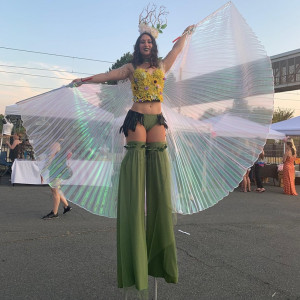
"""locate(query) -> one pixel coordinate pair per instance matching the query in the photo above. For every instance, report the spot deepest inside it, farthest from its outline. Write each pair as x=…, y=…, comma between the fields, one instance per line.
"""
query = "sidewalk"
x=245, y=247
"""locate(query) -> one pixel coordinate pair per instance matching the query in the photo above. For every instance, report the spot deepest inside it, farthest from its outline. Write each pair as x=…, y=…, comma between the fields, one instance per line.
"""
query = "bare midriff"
x=148, y=108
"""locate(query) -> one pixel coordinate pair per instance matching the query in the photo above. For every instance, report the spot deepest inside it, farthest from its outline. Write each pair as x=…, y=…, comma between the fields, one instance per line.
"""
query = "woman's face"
x=145, y=45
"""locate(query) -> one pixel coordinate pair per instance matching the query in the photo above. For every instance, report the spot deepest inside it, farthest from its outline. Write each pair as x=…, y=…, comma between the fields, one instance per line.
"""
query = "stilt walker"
x=174, y=154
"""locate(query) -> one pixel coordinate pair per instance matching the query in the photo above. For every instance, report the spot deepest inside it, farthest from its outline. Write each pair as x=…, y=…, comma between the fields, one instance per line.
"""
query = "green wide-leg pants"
x=151, y=250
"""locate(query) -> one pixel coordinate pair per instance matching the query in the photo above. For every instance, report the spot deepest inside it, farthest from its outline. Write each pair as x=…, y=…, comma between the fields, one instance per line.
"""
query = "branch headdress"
x=153, y=20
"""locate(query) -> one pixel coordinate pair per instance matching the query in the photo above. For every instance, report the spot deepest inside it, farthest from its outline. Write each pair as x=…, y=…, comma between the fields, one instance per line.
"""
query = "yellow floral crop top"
x=146, y=86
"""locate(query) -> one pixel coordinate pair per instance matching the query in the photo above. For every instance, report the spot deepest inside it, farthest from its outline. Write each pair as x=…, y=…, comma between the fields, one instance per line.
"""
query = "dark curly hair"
x=137, y=56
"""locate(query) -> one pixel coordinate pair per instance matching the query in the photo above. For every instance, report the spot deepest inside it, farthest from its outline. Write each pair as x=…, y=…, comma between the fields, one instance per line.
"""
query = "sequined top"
x=146, y=86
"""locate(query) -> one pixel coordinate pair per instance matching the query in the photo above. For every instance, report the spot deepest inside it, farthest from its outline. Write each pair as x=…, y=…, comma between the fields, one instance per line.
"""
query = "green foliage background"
x=125, y=59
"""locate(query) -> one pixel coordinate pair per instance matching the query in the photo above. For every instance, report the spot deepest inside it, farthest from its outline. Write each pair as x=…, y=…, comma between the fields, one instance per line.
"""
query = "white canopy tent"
x=288, y=127
x=231, y=126
x=12, y=110
x=275, y=135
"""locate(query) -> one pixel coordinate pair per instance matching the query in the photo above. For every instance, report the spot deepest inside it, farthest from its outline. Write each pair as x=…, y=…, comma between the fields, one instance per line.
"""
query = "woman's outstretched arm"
x=177, y=48
x=115, y=74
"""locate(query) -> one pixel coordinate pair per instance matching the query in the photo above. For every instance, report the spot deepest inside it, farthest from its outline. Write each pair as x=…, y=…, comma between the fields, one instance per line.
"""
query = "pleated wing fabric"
x=218, y=103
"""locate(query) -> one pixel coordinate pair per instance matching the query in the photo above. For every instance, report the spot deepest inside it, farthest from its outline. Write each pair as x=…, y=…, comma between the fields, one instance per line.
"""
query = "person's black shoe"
x=51, y=215
x=66, y=209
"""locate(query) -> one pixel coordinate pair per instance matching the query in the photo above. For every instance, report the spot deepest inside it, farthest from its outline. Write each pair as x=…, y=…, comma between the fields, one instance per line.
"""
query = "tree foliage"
x=282, y=114
x=210, y=113
x=125, y=59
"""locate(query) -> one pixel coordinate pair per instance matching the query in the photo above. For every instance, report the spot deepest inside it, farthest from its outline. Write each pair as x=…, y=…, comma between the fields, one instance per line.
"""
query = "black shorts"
x=148, y=121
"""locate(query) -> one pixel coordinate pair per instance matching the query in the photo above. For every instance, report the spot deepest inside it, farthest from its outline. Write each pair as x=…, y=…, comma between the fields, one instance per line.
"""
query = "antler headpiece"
x=153, y=20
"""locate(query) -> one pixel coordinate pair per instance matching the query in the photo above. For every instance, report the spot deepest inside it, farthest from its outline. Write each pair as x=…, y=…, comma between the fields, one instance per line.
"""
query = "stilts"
x=155, y=289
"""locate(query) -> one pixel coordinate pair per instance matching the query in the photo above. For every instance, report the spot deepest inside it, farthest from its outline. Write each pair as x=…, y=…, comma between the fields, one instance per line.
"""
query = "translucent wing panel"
x=223, y=78
x=75, y=135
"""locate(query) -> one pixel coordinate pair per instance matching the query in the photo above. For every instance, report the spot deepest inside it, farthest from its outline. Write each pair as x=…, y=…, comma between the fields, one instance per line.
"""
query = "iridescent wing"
x=222, y=79
x=84, y=122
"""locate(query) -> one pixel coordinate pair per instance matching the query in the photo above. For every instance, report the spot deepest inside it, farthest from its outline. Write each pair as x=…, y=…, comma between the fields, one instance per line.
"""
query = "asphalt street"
x=245, y=247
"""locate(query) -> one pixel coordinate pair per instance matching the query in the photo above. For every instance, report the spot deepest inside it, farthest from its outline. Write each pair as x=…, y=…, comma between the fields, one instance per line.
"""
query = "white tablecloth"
x=26, y=172
x=84, y=173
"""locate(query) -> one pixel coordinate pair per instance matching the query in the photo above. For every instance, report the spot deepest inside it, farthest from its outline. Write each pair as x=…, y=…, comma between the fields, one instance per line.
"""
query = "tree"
x=282, y=114
x=125, y=59
x=258, y=114
x=210, y=113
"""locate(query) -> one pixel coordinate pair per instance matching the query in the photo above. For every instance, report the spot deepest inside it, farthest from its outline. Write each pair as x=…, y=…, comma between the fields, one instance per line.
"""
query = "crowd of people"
x=254, y=173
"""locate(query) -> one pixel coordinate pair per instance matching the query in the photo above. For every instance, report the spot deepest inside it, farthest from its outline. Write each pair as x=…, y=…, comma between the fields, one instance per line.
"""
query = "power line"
x=36, y=75
x=54, y=54
x=25, y=86
x=13, y=85
x=43, y=69
x=54, y=77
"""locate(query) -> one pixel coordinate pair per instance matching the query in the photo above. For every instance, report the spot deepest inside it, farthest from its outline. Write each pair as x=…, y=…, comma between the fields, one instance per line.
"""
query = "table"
x=269, y=171
x=26, y=172
x=83, y=173
x=280, y=177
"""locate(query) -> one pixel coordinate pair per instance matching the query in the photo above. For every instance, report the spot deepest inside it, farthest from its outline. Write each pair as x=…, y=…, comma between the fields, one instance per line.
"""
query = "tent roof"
x=275, y=135
x=233, y=126
x=12, y=110
x=289, y=127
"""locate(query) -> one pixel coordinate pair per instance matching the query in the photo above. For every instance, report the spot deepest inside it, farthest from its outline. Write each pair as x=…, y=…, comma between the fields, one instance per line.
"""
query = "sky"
x=105, y=30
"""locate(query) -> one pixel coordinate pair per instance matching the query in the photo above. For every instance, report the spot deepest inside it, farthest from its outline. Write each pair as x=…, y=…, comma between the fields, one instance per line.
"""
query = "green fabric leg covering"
x=131, y=238
x=161, y=248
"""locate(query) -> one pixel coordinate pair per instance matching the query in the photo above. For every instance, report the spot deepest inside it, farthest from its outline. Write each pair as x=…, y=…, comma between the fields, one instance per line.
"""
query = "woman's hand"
x=189, y=29
x=186, y=32
x=76, y=82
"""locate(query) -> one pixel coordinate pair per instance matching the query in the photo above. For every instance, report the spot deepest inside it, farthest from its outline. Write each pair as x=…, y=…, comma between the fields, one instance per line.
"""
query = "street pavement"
x=245, y=247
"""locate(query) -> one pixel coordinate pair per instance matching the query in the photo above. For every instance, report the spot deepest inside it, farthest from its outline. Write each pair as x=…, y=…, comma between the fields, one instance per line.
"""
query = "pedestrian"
x=61, y=173
x=259, y=164
x=289, y=158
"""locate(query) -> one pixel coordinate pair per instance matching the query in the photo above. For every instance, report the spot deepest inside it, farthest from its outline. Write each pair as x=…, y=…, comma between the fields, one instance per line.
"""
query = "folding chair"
x=5, y=166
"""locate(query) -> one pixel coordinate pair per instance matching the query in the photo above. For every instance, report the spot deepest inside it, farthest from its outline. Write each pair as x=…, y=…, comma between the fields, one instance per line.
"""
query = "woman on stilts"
x=221, y=73
x=145, y=251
